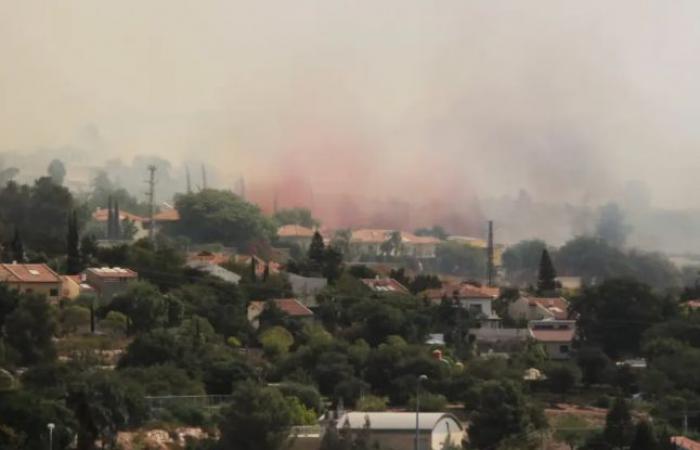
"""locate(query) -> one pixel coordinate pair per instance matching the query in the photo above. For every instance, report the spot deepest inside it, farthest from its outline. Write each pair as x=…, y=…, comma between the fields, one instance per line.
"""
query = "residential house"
x=206, y=256
x=215, y=271
x=109, y=281
x=475, y=242
x=368, y=243
x=478, y=300
x=570, y=283
x=398, y=429
x=306, y=288
x=385, y=285
x=101, y=215
x=290, y=306
x=539, y=308
x=295, y=235
x=32, y=278
x=74, y=286
x=684, y=443
x=556, y=336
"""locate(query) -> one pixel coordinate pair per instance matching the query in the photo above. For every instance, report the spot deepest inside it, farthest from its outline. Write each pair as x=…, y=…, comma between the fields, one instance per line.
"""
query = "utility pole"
x=490, y=269
x=151, y=204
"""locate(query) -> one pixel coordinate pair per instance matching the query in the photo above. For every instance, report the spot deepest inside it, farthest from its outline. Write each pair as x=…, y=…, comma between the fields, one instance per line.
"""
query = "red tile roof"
x=293, y=307
x=693, y=304
x=112, y=272
x=28, y=273
x=167, y=215
x=294, y=231
x=558, y=306
x=684, y=443
x=101, y=215
x=461, y=290
x=385, y=285
x=208, y=257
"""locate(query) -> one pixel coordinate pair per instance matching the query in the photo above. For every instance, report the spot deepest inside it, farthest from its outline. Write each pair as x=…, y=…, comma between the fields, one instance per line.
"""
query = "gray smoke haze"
x=397, y=102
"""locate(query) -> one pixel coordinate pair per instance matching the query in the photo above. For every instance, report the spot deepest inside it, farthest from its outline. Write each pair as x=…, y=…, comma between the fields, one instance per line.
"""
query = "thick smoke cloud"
x=378, y=113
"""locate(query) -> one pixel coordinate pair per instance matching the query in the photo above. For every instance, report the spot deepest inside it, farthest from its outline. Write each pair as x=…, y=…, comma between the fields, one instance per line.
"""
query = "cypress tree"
x=116, y=226
x=17, y=247
x=266, y=272
x=546, y=279
x=618, y=424
x=110, y=219
x=644, y=437
x=317, y=248
x=72, y=251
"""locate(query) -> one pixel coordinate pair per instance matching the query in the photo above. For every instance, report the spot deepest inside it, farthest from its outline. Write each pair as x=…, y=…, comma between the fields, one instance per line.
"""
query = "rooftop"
x=28, y=273
x=558, y=306
x=393, y=420
x=102, y=214
x=377, y=236
x=385, y=285
x=462, y=290
x=294, y=231
x=112, y=272
x=291, y=306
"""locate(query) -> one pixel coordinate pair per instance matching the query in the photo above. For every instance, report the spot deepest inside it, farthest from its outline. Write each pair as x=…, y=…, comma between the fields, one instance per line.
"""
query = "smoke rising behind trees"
x=438, y=115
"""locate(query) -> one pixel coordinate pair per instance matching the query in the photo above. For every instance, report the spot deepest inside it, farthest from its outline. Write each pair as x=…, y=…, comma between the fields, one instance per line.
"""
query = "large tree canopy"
x=212, y=215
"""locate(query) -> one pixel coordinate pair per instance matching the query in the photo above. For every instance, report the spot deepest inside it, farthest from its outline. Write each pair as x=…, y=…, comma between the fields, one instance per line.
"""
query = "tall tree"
x=73, y=262
x=117, y=225
x=644, y=437
x=57, y=171
x=259, y=418
x=17, y=247
x=501, y=413
x=618, y=424
x=546, y=278
x=110, y=219
x=317, y=248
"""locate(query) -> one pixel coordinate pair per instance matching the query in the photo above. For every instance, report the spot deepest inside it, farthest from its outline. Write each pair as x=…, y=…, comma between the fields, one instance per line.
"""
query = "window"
x=563, y=349
x=53, y=292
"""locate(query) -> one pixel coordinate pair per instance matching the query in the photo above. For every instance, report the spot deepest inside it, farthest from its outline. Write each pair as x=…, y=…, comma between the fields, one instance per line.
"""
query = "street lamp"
x=420, y=380
x=51, y=426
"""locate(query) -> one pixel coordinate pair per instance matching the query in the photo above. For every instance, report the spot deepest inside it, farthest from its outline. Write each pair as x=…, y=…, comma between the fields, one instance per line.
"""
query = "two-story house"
x=109, y=281
x=556, y=336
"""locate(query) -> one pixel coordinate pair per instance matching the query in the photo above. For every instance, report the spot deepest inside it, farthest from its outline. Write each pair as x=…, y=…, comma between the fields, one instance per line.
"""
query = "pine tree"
x=618, y=424
x=546, y=280
x=73, y=265
x=644, y=437
x=317, y=249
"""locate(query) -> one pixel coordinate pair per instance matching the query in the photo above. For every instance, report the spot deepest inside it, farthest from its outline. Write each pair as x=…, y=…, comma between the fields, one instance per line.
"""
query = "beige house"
x=539, y=308
x=109, y=281
x=556, y=336
x=397, y=430
x=296, y=235
x=368, y=242
x=32, y=278
x=478, y=300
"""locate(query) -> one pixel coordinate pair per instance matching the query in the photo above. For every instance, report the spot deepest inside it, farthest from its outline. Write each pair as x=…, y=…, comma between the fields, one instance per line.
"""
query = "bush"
x=308, y=395
x=372, y=403
x=429, y=402
x=190, y=415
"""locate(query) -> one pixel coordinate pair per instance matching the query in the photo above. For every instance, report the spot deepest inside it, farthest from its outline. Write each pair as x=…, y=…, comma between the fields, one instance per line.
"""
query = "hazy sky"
x=393, y=98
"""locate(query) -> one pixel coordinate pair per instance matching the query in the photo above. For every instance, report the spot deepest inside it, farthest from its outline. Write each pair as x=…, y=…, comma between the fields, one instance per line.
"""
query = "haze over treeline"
x=399, y=113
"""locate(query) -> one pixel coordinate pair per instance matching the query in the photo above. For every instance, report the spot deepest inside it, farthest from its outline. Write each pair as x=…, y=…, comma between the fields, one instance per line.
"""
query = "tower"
x=490, y=267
